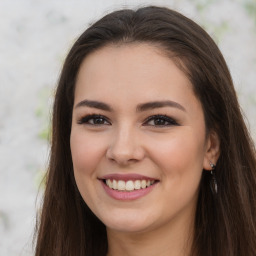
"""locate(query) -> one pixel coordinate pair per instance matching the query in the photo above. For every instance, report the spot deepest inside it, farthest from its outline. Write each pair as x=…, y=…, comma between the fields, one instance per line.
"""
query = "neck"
x=171, y=240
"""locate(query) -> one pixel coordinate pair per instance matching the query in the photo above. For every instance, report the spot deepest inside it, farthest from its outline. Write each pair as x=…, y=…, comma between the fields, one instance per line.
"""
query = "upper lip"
x=126, y=177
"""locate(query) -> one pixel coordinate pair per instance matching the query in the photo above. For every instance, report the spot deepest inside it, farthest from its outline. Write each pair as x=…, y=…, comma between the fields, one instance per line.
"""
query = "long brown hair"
x=225, y=224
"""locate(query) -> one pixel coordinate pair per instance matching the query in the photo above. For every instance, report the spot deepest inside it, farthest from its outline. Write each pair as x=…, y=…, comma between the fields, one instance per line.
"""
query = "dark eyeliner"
x=85, y=119
x=166, y=118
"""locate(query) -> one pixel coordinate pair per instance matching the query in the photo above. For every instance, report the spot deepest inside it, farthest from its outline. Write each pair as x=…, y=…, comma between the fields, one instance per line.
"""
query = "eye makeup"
x=94, y=119
x=158, y=120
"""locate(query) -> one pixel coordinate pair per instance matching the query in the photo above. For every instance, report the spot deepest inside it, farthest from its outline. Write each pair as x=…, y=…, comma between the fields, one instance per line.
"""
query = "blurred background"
x=35, y=38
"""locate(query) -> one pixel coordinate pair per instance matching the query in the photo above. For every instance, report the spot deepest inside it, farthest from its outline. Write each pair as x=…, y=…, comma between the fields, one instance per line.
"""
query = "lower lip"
x=127, y=195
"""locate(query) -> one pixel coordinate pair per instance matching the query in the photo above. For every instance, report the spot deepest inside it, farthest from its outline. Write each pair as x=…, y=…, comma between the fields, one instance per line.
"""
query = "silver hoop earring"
x=213, y=181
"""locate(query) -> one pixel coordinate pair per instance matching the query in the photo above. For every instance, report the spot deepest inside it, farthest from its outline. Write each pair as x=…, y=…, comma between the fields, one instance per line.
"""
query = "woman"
x=150, y=154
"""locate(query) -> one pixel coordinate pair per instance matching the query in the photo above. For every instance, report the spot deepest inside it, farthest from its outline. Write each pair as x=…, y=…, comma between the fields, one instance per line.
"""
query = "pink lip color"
x=125, y=177
x=127, y=195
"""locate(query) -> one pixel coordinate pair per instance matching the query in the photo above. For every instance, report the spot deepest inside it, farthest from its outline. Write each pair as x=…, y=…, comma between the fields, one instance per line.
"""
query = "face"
x=138, y=139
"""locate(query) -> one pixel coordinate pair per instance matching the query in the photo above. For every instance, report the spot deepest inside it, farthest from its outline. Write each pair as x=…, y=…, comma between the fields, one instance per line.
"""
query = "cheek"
x=180, y=153
x=86, y=151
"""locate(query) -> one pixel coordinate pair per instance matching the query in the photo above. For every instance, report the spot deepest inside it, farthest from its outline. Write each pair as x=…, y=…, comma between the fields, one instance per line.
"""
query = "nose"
x=125, y=147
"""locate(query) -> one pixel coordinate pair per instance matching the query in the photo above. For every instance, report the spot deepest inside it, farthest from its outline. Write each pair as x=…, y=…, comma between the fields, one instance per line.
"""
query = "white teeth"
x=114, y=184
x=121, y=185
x=129, y=185
x=137, y=184
x=109, y=183
x=143, y=184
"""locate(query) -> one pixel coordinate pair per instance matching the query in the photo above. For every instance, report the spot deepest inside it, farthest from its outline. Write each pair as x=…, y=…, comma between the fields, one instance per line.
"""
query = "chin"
x=126, y=227
x=123, y=222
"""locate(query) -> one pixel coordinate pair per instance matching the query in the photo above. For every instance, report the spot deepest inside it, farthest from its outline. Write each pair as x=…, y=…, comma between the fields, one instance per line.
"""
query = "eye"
x=94, y=120
x=160, y=121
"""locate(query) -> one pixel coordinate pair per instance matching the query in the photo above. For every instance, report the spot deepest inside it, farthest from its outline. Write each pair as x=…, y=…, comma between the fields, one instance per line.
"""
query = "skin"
x=123, y=77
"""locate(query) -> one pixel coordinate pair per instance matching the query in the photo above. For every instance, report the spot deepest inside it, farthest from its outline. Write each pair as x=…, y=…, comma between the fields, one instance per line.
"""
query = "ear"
x=212, y=150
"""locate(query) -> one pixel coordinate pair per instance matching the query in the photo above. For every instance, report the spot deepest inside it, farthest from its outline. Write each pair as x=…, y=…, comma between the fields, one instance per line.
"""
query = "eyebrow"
x=159, y=104
x=94, y=104
x=141, y=107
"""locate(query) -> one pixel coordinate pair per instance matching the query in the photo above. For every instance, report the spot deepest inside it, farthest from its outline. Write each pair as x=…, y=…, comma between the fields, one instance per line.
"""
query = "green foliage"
x=43, y=113
x=217, y=31
x=201, y=5
x=250, y=7
x=40, y=179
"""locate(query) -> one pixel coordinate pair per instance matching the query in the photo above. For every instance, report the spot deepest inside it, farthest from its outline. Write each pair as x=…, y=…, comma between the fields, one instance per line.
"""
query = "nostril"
x=125, y=157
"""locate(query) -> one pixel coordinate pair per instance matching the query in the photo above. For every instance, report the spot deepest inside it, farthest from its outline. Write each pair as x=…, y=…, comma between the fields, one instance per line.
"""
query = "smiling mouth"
x=129, y=185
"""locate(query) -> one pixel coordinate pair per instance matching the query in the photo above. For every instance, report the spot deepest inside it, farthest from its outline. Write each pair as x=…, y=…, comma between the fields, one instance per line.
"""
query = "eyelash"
x=164, y=118
x=168, y=121
x=86, y=119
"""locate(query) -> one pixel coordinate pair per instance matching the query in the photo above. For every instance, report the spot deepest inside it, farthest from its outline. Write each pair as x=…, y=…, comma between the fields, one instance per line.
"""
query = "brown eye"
x=94, y=120
x=160, y=120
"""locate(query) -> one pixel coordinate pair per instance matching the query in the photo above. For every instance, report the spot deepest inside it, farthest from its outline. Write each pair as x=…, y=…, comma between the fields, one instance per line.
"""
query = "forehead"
x=129, y=73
